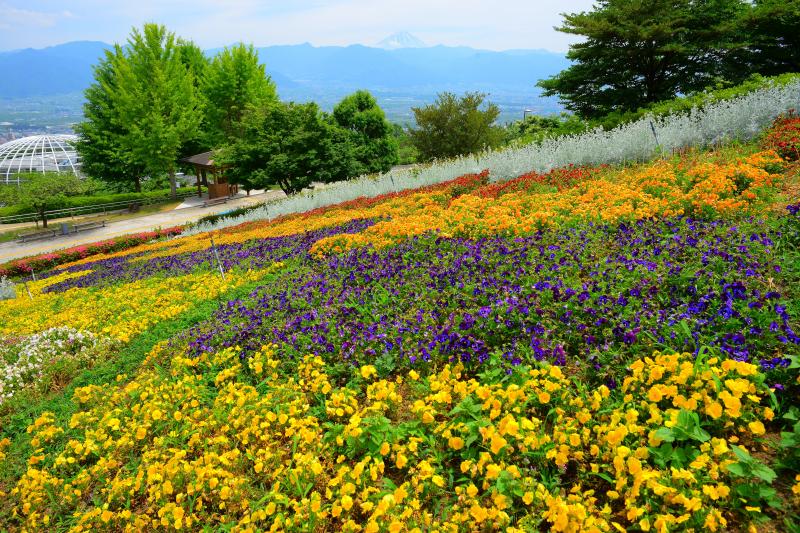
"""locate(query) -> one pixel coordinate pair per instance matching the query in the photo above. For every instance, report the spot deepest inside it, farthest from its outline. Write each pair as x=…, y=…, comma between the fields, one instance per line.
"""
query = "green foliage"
x=406, y=151
x=84, y=200
x=100, y=135
x=233, y=81
x=536, y=128
x=155, y=99
x=282, y=143
x=637, y=52
x=368, y=133
x=42, y=192
x=756, y=479
x=454, y=126
x=772, y=27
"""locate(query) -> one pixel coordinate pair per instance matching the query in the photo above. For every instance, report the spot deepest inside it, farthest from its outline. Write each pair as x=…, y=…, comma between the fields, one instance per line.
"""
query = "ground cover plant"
x=594, y=348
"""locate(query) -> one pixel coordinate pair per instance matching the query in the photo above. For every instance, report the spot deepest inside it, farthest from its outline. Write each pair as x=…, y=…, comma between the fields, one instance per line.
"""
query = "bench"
x=88, y=225
x=216, y=201
x=38, y=235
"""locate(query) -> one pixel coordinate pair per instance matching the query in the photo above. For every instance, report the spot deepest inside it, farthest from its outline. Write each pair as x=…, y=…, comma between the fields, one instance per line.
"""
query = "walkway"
x=189, y=211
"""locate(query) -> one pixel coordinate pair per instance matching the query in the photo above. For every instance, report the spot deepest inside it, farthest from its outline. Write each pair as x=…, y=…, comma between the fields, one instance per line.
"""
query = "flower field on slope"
x=591, y=349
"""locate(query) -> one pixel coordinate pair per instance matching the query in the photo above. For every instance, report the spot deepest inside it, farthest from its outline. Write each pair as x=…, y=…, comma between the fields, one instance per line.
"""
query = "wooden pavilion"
x=204, y=165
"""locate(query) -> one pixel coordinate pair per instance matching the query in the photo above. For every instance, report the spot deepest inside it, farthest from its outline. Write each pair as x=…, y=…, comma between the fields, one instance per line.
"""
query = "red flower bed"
x=784, y=136
x=561, y=178
x=43, y=262
x=456, y=187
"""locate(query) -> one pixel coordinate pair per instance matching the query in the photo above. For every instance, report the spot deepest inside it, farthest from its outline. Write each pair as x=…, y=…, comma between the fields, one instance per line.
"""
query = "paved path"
x=178, y=216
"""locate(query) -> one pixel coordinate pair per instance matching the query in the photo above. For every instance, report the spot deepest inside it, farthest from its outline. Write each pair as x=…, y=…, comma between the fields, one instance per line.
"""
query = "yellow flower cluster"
x=119, y=311
x=212, y=441
x=664, y=188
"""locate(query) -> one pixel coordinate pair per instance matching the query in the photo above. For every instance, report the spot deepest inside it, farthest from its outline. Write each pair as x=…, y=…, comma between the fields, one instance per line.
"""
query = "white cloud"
x=15, y=18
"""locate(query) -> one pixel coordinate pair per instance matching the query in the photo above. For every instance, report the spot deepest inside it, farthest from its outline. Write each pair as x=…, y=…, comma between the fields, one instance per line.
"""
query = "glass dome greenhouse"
x=38, y=153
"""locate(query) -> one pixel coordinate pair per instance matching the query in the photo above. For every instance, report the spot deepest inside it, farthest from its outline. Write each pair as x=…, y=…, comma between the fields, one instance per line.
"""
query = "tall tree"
x=281, y=144
x=773, y=27
x=155, y=99
x=101, y=133
x=637, y=52
x=196, y=61
x=233, y=82
x=455, y=126
x=373, y=148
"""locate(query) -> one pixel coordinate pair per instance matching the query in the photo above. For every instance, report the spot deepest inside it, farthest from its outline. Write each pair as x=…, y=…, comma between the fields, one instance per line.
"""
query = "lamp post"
x=525, y=114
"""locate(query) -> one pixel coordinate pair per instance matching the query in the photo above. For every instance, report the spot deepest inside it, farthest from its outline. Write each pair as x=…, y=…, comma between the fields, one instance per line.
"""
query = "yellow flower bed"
x=119, y=311
x=208, y=441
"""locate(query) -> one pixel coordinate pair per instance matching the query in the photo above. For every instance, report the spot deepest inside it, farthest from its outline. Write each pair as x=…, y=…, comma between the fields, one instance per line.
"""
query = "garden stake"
x=219, y=263
x=25, y=283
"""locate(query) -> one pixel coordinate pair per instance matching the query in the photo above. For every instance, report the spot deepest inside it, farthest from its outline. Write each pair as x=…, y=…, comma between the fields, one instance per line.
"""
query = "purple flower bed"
x=253, y=254
x=590, y=293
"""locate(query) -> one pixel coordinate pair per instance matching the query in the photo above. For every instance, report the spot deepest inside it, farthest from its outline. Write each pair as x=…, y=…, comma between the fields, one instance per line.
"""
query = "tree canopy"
x=280, y=143
x=455, y=126
x=372, y=147
x=233, y=82
x=773, y=27
x=638, y=52
x=103, y=155
x=42, y=191
x=142, y=108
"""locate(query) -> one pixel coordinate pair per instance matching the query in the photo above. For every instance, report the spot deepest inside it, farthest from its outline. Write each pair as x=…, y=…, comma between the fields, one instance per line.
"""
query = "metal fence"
x=91, y=209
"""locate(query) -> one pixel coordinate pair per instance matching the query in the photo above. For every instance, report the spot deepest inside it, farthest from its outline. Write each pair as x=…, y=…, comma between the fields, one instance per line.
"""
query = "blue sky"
x=494, y=25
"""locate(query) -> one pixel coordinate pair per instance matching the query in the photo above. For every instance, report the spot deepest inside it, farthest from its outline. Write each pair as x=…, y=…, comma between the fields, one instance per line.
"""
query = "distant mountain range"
x=400, y=70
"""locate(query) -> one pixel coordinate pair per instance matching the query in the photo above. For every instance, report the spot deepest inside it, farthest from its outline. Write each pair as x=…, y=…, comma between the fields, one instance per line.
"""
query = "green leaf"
x=763, y=472
x=737, y=469
x=665, y=434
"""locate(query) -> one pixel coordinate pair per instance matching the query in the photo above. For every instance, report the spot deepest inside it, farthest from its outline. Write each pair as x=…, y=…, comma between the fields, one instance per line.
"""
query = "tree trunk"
x=44, y=218
x=173, y=186
x=138, y=184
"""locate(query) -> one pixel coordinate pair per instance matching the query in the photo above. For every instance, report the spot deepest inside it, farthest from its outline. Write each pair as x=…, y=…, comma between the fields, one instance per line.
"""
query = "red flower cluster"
x=560, y=178
x=47, y=261
x=784, y=136
x=455, y=187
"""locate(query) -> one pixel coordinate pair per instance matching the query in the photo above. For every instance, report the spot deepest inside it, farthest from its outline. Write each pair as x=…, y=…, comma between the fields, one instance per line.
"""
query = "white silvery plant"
x=740, y=118
x=7, y=291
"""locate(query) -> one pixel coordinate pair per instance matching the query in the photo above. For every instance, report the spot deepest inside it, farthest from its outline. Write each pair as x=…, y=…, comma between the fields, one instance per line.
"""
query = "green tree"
x=636, y=52
x=233, y=82
x=42, y=192
x=373, y=148
x=195, y=60
x=155, y=100
x=773, y=28
x=280, y=143
x=455, y=126
x=100, y=135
